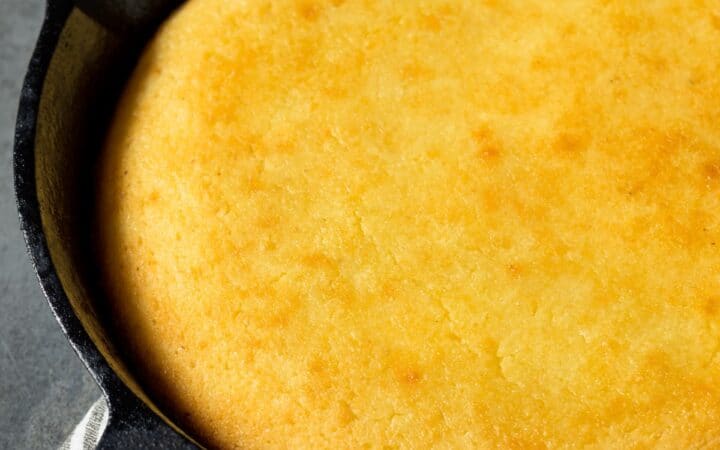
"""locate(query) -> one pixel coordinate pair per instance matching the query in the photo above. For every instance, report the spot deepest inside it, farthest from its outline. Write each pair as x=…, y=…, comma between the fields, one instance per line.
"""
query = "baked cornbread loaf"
x=405, y=224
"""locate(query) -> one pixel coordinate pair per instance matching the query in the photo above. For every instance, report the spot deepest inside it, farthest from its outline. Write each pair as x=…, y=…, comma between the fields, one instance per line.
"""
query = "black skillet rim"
x=131, y=422
x=56, y=16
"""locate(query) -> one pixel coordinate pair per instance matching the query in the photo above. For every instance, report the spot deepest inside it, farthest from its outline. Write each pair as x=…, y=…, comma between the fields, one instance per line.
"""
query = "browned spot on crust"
x=489, y=150
x=715, y=20
x=684, y=230
x=490, y=153
x=316, y=366
x=319, y=261
x=540, y=62
x=279, y=320
x=410, y=377
x=335, y=91
x=265, y=9
x=345, y=414
x=309, y=10
x=286, y=307
x=489, y=346
x=430, y=22
x=490, y=200
x=570, y=29
x=340, y=290
x=416, y=71
x=654, y=62
x=711, y=306
x=572, y=134
x=286, y=147
x=516, y=270
x=268, y=221
x=711, y=172
x=483, y=133
x=388, y=289
x=626, y=24
x=253, y=345
x=670, y=142
x=320, y=372
x=569, y=144
x=253, y=183
x=433, y=153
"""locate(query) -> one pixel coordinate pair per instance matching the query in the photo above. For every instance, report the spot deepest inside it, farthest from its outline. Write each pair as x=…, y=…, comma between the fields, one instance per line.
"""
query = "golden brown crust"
x=461, y=224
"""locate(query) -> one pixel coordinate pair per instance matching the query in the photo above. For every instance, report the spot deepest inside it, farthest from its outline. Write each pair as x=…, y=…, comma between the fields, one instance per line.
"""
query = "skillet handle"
x=131, y=424
x=128, y=17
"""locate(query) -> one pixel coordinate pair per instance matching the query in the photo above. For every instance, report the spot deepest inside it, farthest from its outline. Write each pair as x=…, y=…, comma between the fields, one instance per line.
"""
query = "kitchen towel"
x=86, y=434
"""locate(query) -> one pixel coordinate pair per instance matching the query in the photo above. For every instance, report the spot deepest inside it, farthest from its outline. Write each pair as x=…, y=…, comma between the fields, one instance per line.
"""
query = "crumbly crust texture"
x=405, y=224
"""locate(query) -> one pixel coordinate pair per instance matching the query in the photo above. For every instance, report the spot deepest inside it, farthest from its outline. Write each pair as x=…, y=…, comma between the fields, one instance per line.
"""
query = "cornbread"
x=414, y=224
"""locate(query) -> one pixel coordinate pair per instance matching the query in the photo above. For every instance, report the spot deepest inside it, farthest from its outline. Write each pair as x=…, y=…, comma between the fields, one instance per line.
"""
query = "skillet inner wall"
x=84, y=80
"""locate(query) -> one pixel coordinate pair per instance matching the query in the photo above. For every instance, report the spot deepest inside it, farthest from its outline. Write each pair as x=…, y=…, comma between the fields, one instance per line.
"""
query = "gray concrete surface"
x=44, y=389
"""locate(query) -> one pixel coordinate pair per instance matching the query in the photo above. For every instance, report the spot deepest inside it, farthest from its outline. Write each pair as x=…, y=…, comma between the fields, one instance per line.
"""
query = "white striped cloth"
x=86, y=434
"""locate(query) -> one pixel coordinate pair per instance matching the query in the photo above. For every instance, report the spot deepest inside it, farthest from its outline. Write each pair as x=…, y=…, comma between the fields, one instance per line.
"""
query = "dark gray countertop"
x=44, y=389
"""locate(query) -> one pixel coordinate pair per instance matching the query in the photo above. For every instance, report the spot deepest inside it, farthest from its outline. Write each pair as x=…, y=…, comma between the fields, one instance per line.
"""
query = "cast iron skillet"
x=83, y=56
